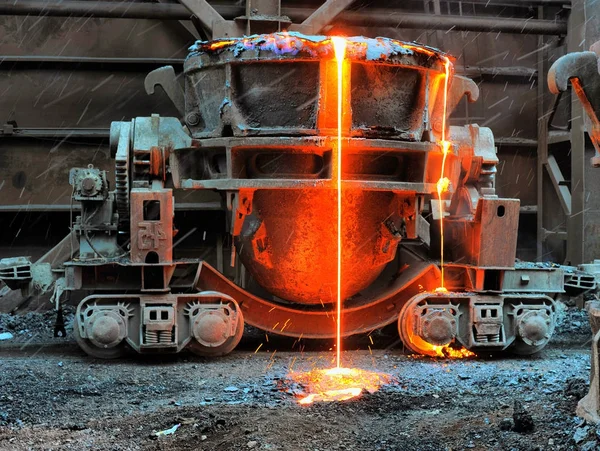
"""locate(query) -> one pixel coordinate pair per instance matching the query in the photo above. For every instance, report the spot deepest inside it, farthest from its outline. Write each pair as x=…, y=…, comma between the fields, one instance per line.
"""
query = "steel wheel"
x=522, y=348
x=411, y=341
x=94, y=351
x=225, y=348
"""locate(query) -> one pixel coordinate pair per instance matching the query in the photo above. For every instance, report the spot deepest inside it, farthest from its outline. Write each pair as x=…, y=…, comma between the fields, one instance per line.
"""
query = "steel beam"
x=57, y=133
x=564, y=195
x=542, y=147
x=76, y=207
x=187, y=25
x=322, y=16
x=366, y=17
x=205, y=13
x=399, y=19
x=488, y=72
x=104, y=133
x=576, y=222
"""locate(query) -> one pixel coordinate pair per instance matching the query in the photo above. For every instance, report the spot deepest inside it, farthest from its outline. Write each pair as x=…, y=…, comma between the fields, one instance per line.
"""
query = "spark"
x=453, y=353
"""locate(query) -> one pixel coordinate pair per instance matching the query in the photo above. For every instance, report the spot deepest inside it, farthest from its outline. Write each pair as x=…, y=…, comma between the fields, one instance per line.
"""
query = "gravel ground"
x=55, y=397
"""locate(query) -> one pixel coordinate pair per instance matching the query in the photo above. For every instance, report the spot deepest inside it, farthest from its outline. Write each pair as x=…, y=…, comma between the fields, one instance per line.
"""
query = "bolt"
x=192, y=119
x=88, y=184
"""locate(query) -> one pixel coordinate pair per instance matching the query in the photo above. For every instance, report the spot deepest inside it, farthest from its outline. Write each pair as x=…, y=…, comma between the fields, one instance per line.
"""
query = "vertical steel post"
x=542, y=145
x=576, y=223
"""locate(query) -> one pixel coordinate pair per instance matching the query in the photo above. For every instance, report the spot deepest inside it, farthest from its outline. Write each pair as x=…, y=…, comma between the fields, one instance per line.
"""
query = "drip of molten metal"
x=443, y=182
x=339, y=46
x=338, y=384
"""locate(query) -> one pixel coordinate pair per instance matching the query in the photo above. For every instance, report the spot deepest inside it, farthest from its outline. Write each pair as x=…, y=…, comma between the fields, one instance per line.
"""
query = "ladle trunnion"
x=259, y=125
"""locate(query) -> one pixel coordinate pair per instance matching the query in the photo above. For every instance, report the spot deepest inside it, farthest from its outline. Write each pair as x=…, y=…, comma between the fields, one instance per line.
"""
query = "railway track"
x=69, y=348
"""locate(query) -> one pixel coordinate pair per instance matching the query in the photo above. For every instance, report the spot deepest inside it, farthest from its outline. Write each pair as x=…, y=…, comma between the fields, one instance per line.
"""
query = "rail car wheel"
x=521, y=348
x=221, y=349
x=534, y=330
x=412, y=341
x=427, y=324
x=101, y=353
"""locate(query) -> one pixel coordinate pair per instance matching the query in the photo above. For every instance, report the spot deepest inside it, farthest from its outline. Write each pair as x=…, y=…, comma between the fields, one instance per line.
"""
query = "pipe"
x=365, y=17
x=456, y=23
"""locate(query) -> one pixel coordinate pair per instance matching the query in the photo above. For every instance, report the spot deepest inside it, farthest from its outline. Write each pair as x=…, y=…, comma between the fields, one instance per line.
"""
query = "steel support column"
x=575, y=222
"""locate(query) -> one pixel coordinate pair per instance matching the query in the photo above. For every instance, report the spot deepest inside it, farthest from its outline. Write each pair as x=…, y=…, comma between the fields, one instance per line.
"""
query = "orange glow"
x=446, y=352
x=423, y=347
x=419, y=49
x=339, y=45
x=220, y=44
x=338, y=384
x=443, y=183
x=285, y=42
x=452, y=353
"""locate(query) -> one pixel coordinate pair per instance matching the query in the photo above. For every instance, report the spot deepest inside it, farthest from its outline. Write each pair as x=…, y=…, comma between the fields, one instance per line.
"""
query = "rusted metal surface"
x=522, y=323
x=589, y=406
x=151, y=226
x=488, y=239
x=208, y=322
x=581, y=69
x=165, y=78
x=233, y=83
x=360, y=316
x=322, y=16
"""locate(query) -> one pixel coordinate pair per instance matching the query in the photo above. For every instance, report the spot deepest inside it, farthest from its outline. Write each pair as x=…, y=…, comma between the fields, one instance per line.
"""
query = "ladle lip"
x=292, y=44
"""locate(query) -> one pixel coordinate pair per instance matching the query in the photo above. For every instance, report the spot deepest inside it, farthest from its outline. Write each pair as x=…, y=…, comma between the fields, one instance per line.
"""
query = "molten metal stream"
x=443, y=182
x=339, y=46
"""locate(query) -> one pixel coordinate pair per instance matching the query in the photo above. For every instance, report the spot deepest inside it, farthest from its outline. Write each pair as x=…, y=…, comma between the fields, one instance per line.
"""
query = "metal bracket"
x=166, y=78
x=581, y=69
x=462, y=86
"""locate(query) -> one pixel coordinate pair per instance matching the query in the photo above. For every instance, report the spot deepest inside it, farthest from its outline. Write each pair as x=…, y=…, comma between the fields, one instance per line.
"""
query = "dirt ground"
x=53, y=396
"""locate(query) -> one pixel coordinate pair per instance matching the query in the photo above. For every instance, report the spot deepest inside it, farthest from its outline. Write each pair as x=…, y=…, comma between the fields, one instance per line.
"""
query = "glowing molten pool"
x=338, y=384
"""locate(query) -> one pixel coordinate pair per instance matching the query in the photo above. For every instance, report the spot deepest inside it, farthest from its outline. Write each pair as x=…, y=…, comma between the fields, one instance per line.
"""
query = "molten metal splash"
x=339, y=45
x=338, y=384
x=452, y=353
